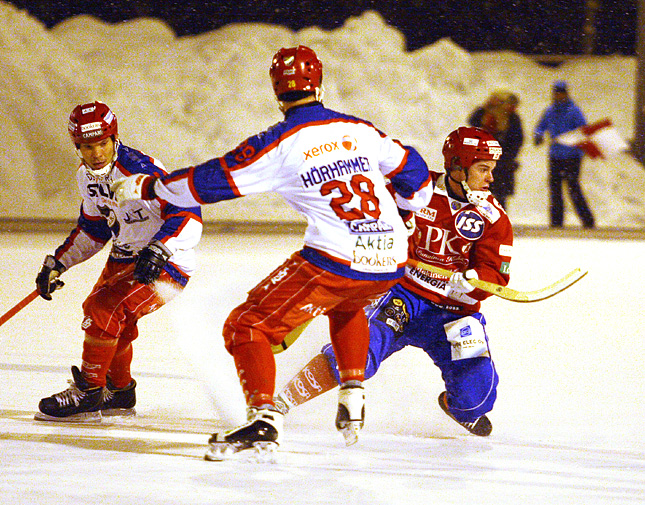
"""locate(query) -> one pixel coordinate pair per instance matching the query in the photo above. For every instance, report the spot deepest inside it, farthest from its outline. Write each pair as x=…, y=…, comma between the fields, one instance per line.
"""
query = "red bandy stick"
x=18, y=306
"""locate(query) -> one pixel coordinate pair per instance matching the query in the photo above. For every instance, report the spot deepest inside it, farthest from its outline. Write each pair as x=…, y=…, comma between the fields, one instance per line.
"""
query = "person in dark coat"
x=499, y=117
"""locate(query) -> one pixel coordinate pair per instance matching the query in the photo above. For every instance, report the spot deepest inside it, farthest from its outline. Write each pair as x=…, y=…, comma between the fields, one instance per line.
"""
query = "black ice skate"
x=81, y=402
x=481, y=426
x=119, y=401
x=261, y=433
x=351, y=411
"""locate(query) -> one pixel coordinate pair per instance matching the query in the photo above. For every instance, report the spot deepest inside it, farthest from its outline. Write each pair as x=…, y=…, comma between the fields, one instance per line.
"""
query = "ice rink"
x=567, y=423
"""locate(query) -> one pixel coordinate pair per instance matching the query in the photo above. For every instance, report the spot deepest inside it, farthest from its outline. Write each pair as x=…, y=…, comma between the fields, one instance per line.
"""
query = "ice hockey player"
x=150, y=262
x=465, y=230
x=330, y=167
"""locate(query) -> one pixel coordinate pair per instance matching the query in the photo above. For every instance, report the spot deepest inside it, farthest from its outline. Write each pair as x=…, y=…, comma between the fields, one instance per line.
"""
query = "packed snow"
x=185, y=100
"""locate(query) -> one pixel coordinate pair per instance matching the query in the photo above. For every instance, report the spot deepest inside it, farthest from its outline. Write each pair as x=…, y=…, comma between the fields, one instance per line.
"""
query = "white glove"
x=458, y=281
x=130, y=188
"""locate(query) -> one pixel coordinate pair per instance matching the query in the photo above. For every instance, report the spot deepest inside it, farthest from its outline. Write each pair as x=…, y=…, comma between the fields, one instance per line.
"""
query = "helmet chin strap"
x=474, y=197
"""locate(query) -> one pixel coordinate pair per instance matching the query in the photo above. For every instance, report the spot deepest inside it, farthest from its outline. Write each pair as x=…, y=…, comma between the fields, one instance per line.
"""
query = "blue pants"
x=402, y=318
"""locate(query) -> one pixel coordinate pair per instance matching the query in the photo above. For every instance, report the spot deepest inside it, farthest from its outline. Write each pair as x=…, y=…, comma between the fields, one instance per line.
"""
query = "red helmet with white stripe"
x=468, y=144
x=92, y=122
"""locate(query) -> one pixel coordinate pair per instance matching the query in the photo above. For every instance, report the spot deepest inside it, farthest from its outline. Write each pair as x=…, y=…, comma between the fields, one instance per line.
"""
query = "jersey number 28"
x=360, y=186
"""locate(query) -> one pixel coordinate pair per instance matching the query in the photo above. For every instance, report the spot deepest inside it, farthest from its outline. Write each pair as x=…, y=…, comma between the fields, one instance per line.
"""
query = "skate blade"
x=220, y=451
x=119, y=412
x=350, y=431
x=265, y=452
x=85, y=417
x=259, y=452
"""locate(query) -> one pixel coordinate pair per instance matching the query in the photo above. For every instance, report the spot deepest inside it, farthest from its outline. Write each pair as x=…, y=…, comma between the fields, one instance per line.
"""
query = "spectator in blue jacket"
x=562, y=116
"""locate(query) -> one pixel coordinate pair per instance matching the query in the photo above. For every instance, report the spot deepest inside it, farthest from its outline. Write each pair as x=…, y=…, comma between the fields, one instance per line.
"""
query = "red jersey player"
x=462, y=229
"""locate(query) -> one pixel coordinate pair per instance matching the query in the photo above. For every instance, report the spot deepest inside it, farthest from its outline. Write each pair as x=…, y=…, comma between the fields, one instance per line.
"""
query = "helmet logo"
x=88, y=110
x=288, y=60
x=90, y=126
x=495, y=152
x=289, y=71
x=471, y=141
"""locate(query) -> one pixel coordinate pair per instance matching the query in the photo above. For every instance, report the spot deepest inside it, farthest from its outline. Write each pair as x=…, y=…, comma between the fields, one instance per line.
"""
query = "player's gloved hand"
x=150, y=262
x=134, y=187
x=459, y=281
x=47, y=280
x=537, y=140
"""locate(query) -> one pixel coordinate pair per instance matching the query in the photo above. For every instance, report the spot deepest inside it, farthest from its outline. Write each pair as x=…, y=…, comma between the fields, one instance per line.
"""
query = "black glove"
x=150, y=262
x=47, y=280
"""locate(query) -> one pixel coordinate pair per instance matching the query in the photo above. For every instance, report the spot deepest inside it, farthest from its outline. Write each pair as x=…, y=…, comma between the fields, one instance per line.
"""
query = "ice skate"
x=119, y=401
x=81, y=402
x=351, y=411
x=481, y=426
x=261, y=433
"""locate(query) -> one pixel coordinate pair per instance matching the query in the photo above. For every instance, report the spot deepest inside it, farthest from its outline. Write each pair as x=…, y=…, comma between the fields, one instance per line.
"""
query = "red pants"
x=111, y=311
x=290, y=296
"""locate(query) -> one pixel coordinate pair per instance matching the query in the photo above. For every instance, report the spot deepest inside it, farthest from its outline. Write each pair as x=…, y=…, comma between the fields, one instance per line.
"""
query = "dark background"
x=532, y=27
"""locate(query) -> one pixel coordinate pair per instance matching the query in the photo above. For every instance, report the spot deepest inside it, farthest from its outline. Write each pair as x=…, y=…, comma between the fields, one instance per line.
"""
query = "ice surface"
x=567, y=422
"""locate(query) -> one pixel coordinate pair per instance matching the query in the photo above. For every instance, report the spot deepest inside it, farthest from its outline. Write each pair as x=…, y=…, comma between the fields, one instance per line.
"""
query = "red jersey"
x=458, y=235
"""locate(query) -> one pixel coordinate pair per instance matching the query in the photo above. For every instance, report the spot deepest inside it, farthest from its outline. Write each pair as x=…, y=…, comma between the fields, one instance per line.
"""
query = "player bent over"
x=465, y=230
x=151, y=260
x=330, y=167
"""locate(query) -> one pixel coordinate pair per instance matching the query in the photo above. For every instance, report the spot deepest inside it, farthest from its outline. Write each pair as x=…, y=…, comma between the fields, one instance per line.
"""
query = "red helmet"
x=295, y=69
x=92, y=122
x=466, y=145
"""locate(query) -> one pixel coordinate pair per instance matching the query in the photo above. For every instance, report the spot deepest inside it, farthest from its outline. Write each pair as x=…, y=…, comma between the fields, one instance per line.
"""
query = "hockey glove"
x=459, y=281
x=150, y=262
x=135, y=187
x=47, y=280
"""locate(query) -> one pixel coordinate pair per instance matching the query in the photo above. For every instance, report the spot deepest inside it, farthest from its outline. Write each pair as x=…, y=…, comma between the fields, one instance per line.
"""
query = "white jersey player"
x=330, y=167
x=152, y=245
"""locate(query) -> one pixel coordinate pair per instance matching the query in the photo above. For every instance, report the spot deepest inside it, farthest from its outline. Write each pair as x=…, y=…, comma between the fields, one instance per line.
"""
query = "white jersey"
x=331, y=168
x=133, y=225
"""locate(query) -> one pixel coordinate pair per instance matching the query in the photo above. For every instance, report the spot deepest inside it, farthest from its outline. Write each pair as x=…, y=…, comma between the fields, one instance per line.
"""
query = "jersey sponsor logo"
x=87, y=322
x=321, y=149
x=382, y=243
x=469, y=224
x=441, y=242
x=427, y=279
x=94, y=190
x=505, y=250
x=369, y=226
x=318, y=175
x=374, y=262
x=349, y=143
x=135, y=216
x=426, y=213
